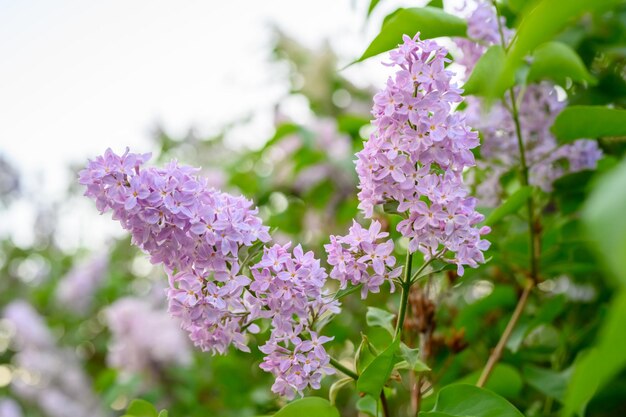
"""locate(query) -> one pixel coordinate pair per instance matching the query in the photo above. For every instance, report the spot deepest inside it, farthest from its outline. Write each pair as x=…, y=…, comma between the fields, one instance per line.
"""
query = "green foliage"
x=577, y=122
x=376, y=374
x=467, y=400
x=558, y=62
x=538, y=25
x=480, y=81
x=606, y=224
x=378, y=317
x=308, y=406
x=142, y=408
x=512, y=205
x=551, y=383
x=431, y=22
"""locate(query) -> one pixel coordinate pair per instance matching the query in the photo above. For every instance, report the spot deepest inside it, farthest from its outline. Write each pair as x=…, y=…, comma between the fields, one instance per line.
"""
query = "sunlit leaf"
x=540, y=24
x=557, y=61
x=141, y=408
x=480, y=80
x=431, y=22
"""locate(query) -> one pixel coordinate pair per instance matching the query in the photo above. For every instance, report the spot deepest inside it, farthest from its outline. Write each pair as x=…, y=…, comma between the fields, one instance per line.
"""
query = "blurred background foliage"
x=303, y=180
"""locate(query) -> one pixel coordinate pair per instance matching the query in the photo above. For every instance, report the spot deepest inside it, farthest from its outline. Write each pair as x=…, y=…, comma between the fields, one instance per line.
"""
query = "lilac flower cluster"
x=416, y=157
x=539, y=105
x=290, y=288
x=134, y=323
x=196, y=232
x=200, y=235
x=358, y=259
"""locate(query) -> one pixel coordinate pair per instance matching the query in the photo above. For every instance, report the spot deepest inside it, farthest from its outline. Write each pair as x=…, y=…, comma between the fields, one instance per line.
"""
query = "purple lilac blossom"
x=360, y=259
x=290, y=286
x=538, y=105
x=197, y=233
x=416, y=157
x=76, y=289
x=134, y=323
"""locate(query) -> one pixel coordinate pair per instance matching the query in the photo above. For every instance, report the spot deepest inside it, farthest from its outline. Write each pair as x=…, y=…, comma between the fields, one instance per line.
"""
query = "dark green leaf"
x=308, y=406
x=461, y=400
x=577, y=122
x=558, y=62
x=510, y=206
x=431, y=22
x=141, y=408
x=378, y=317
x=375, y=376
x=481, y=79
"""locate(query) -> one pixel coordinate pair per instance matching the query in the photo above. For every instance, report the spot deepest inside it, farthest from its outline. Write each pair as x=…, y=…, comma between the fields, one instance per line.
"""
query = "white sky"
x=79, y=76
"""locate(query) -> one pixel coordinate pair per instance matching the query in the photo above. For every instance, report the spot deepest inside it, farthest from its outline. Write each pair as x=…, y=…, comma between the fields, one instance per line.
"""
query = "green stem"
x=406, y=287
x=338, y=366
x=533, y=232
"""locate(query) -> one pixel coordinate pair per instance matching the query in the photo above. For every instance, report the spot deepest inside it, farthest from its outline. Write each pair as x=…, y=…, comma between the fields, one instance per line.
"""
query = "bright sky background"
x=79, y=76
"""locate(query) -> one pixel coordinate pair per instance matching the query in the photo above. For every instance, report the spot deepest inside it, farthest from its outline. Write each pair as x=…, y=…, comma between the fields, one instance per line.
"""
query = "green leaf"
x=577, y=122
x=480, y=80
x=381, y=318
x=364, y=354
x=336, y=387
x=412, y=358
x=435, y=267
x=375, y=376
x=431, y=22
x=461, y=400
x=368, y=405
x=141, y=408
x=308, y=406
x=547, y=381
x=372, y=6
x=558, y=62
x=604, y=217
x=540, y=24
x=505, y=380
x=347, y=291
x=602, y=363
x=510, y=206
x=163, y=413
